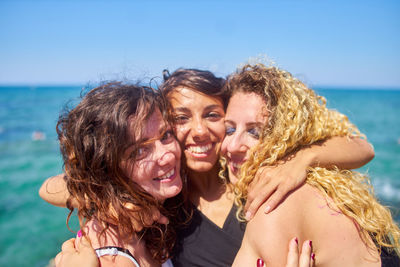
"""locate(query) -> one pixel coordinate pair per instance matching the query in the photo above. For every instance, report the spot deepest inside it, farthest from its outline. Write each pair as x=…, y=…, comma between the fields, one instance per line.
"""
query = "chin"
x=232, y=177
x=171, y=192
x=201, y=164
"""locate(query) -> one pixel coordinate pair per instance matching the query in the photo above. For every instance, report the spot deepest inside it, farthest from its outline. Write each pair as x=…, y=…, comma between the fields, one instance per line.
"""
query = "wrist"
x=309, y=157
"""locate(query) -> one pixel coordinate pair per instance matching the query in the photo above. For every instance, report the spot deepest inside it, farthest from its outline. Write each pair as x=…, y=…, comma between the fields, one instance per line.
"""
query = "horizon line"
x=315, y=86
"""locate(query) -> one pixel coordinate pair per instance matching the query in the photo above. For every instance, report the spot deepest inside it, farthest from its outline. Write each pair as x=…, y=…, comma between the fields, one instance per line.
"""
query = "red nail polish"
x=260, y=263
x=310, y=244
x=312, y=256
x=297, y=241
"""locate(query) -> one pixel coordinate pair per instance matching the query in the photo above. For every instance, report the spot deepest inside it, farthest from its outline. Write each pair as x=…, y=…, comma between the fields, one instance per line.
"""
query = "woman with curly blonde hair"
x=334, y=208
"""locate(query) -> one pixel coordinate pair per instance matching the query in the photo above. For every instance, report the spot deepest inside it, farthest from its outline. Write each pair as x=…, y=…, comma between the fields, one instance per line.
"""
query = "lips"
x=169, y=176
x=235, y=164
x=199, y=150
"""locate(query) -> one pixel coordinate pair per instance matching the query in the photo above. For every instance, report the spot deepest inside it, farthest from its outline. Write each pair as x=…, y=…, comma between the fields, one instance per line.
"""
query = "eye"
x=180, y=119
x=167, y=136
x=213, y=115
x=142, y=152
x=254, y=132
x=229, y=130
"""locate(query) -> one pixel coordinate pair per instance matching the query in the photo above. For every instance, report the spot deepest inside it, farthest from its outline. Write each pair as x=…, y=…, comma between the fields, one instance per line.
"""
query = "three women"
x=213, y=235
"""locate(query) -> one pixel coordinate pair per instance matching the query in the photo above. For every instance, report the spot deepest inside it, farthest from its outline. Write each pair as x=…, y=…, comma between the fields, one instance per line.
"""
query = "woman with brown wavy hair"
x=335, y=208
x=106, y=177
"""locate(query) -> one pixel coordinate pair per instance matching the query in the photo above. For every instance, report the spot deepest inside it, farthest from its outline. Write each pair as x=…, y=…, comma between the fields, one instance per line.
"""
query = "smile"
x=199, y=150
x=236, y=164
x=169, y=176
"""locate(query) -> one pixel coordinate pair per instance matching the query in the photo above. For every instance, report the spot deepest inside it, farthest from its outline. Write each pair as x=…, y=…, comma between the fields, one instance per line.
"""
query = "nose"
x=166, y=154
x=199, y=129
x=236, y=144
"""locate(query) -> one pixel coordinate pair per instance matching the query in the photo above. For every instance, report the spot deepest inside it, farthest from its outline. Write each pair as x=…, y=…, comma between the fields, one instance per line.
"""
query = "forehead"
x=249, y=106
x=150, y=128
x=184, y=96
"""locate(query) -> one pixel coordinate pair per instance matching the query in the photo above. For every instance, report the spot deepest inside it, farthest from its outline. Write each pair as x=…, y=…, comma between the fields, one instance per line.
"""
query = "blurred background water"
x=32, y=231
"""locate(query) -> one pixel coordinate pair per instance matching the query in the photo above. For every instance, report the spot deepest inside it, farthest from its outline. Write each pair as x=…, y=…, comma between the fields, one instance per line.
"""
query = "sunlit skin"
x=156, y=167
x=199, y=125
x=200, y=129
x=242, y=129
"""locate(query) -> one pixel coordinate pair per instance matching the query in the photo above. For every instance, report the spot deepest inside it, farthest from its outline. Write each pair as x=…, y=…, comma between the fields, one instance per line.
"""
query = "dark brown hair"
x=202, y=81
x=93, y=137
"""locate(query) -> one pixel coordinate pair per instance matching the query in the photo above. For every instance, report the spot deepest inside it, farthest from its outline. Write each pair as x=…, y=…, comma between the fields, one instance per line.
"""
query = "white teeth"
x=236, y=165
x=167, y=175
x=200, y=149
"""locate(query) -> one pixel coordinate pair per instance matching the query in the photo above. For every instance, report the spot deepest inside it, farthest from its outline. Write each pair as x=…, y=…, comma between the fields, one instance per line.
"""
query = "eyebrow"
x=161, y=131
x=209, y=107
x=249, y=124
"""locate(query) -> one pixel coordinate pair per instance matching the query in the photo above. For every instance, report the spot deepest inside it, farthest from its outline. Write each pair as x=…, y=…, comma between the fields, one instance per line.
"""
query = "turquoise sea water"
x=32, y=231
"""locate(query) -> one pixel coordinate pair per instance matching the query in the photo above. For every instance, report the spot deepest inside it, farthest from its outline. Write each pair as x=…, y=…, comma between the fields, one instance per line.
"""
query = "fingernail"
x=312, y=256
x=248, y=216
x=79, y=234
x=267, y=209
x=310, y=243
x=297, y=241
x=260, y=263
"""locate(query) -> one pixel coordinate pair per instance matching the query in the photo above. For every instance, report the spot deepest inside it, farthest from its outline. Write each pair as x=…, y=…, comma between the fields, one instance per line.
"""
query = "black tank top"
x=389, y=259
x=203, y=243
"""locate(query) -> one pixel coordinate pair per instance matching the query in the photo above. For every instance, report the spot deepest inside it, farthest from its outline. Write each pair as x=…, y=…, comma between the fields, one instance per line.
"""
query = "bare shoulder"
x=93, y=231
x=309, y=215
x=268, y=235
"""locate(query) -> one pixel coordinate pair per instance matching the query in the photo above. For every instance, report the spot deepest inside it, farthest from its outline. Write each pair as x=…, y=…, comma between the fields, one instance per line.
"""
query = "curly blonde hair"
x=298, y=117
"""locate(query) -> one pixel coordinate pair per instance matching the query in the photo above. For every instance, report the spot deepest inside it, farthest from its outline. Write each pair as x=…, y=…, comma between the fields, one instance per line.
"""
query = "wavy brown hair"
x=298, y=117
x=93, y=137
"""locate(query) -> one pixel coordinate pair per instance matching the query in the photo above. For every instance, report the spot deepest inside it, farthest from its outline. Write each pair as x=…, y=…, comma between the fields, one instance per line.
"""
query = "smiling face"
x=199, y=125
x=244, y=120
x=156, y=167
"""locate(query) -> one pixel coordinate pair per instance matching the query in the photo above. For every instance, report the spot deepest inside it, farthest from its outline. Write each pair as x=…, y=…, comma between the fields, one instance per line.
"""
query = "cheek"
x=176, y=149
x=224, y=145
x=180, y=132
x=218, y=129
x=140, y=172
x=252, y=143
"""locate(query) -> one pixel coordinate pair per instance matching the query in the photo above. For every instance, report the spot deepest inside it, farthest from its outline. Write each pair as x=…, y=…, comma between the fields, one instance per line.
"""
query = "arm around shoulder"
x=341, y=151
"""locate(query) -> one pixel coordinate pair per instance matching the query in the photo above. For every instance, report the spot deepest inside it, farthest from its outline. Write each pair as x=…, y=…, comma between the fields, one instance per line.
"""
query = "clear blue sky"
x=325, y=42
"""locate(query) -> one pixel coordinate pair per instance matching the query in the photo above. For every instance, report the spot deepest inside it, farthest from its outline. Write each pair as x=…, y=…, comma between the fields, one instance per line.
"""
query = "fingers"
x=58, y=259
x=66, y=248
x=253, y=203
x=260, y=262
x=84, y=244
x=81, y=255
x=293, y=254
x=271, y=194
x=306, y=256
x=276, y=198
x=69, y=245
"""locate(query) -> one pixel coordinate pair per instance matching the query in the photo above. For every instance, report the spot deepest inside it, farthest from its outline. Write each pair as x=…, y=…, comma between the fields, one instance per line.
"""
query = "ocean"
x=32, y=231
